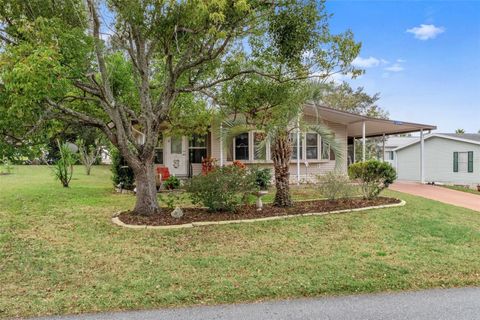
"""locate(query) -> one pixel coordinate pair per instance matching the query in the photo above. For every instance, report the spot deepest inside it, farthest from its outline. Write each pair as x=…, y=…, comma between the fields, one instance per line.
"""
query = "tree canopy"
x=152, y=64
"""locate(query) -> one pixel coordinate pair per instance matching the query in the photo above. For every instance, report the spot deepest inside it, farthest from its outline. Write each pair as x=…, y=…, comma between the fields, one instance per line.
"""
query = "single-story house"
x=311, y=157
x=448, y=158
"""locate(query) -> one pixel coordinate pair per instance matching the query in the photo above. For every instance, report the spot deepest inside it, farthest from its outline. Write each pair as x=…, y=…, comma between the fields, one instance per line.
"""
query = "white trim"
x=438, y=135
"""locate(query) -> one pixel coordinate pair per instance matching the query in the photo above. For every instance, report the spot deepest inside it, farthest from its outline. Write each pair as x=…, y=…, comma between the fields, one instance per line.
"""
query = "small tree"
x=63, y=169
x=373, y=176
x=459, y=132
x=88, y=155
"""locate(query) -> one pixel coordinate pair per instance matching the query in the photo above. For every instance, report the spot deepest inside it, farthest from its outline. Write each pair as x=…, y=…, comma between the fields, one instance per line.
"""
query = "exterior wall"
x=438, y=162
x=392, y=162
x=307, y=173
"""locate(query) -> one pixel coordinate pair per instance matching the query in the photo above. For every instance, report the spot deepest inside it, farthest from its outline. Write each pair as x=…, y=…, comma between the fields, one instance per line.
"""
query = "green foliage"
x=223, y=189
x=63, y=168
x=6, y=166
x=263, y=177
x=171, y=199
x=373, y=176
x=334, y=185
x=172, y=183
x=122, y=174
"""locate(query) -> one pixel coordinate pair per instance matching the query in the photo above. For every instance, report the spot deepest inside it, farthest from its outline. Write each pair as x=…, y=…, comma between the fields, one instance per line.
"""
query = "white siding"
x=438, y=162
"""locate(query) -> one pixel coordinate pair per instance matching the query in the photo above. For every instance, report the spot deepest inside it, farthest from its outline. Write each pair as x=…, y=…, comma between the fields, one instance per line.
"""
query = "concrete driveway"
x=445, y=195
x=421, y=305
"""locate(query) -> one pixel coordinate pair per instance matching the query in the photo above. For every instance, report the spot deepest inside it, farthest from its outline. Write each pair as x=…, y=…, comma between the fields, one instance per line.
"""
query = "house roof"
x=469, y=138
x=395, y=142
x=464, y=136
x=374, y=127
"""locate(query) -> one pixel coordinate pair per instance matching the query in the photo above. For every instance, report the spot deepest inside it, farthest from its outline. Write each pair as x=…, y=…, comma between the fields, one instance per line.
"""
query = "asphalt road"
x=437, y=304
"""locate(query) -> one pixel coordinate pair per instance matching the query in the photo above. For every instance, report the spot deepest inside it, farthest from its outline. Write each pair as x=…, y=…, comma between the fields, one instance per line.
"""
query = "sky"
x=423, y=57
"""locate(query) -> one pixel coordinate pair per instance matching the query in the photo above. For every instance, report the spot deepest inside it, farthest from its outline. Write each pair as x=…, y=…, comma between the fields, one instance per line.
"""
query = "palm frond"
x=336, y=146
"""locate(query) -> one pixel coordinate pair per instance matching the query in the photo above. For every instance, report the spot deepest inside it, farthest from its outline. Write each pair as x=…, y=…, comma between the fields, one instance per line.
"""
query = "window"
x=159, y=150
x=259, y=148
x=325, y=151
x=312, y=146
x=463, y=161
x=241, y=146
x=197, y=148
x=293, y=138
x=389, y=155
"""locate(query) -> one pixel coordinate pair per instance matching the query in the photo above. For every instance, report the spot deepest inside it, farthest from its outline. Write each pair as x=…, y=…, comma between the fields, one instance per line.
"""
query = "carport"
x=363, y=127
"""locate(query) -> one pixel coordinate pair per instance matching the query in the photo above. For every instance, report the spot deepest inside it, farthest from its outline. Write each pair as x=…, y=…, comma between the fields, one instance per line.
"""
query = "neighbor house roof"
x=374, y=127
x=467, y=137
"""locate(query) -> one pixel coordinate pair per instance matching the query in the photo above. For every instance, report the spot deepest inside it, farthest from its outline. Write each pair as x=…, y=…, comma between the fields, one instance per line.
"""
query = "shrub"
x=335, y=185
x=123, y=176
x=7, y=167
x=373, y=176
x=63, y=168
x=171, y=183
x=263, y=177
x=171, y=199
x=223, y=189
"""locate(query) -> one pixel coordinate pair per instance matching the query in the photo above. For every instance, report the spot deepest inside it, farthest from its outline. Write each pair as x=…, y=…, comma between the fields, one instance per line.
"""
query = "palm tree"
x=278, y=133
x=460, y=132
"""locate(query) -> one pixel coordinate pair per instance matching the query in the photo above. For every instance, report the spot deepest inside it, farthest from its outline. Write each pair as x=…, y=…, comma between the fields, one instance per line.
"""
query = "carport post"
x=422, y=158
x=221, y=144
x=298, y=151
x=363, y=141
x=383, y=148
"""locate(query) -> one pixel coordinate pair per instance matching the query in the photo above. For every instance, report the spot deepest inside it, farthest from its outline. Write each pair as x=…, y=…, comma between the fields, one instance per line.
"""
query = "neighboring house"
x=449, y=159
x=183, y=155
x=393, y=143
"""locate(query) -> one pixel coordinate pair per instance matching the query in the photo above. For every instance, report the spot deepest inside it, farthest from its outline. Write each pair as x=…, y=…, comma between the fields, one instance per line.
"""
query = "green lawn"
x=463, y=189
x=59, y=252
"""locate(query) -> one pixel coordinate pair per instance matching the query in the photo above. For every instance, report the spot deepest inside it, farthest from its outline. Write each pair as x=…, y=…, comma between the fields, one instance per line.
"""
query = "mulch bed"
x=250, y=211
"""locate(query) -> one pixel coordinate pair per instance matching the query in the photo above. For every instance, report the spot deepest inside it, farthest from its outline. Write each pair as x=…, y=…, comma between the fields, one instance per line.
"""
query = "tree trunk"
x=282, y=150
x=147, y=203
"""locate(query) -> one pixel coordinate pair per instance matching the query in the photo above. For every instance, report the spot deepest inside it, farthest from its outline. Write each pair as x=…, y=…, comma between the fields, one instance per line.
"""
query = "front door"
x=176, y=155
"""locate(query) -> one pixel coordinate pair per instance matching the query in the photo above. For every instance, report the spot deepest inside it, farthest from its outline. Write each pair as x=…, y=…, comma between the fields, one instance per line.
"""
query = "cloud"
x=426, y=31
x=369, y=62
x=396, y=67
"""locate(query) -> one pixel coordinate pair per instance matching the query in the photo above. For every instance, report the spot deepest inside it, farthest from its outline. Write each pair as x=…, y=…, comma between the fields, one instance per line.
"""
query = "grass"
x=59, y=252
x=463, y=189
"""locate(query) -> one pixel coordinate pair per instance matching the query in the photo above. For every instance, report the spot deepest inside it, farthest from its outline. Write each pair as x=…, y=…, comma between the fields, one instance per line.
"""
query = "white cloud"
x=401, y=60
x=396, y=67
x=426, y=31
x=369, y=62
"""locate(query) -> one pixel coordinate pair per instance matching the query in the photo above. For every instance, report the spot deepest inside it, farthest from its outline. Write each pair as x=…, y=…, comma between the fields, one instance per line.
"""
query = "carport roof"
x=373, y=127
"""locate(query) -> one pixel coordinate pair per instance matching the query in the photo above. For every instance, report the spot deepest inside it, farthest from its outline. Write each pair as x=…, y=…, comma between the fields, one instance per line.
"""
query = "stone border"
x=118, y=222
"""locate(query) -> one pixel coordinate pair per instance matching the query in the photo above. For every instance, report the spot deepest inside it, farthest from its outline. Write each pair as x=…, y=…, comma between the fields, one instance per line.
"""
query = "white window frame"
x=319, y=146
x=321, y=152
x=252, y=149
x=234, y=155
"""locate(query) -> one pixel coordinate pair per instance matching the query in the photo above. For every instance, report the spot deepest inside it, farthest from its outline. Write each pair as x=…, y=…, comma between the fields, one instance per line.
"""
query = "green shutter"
x=455, y=162
x=470, y=161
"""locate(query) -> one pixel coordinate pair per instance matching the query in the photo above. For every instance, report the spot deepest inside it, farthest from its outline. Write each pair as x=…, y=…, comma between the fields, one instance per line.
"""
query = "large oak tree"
x=111, y=64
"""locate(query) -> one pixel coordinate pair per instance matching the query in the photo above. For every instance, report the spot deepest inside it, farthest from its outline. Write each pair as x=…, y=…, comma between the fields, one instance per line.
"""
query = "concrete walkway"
x=422, y=305
x=445, y=195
